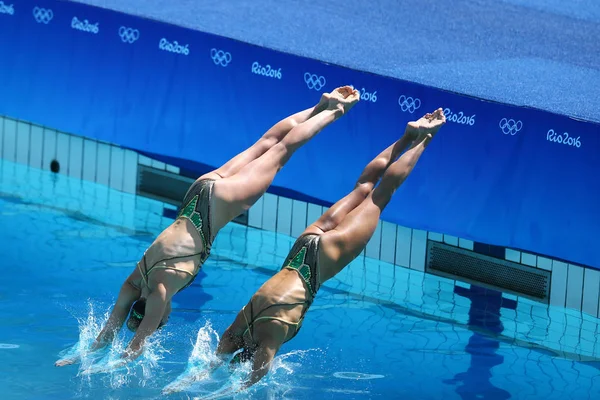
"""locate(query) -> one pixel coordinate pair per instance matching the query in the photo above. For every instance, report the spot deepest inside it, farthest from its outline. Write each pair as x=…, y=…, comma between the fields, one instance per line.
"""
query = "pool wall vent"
x=168, y=187
x=478, y=269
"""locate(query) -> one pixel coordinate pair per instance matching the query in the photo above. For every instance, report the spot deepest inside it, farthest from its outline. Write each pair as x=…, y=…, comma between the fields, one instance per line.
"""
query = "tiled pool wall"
x=572, y=286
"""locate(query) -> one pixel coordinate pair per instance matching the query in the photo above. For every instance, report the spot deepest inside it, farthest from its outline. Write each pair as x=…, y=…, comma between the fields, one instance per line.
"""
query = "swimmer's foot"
x=343, y=99
x=425, y=127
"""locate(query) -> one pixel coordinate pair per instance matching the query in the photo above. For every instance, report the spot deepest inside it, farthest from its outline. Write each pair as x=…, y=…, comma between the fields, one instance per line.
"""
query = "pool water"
x=377, y=331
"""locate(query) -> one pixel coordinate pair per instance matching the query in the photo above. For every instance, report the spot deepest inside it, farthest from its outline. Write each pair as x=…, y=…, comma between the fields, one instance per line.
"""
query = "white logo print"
x=408, y=104
x=85, y=26
x=128, y=35
x=313, y=81
x=563, y=138
x=267, y=71
x=459, y=118
x=367, y=96
x=42, y=15
x=510, y=126
x=7, y=8
x=174, y=47
x=220, y=57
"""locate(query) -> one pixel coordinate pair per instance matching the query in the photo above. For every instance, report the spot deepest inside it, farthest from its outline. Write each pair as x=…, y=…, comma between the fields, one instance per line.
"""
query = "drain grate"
x=461, y=264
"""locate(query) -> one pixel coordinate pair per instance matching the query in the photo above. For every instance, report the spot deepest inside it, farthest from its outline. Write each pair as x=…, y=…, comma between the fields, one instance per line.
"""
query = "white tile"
x=9, y=144
x=451, y=240
x=374, y=244
x=284, y=216
x=23, y=133
x=513, y=255
x=255, y=213
x=299, y=224
x=544, y=263
x=173, y=169
x=388, y=242
x=117, y=156
x=269, y=217
x=76, y=157
x=528, y=259
x=403, y=246
x=465, y=244
x=313, y=213
x=418, y=251
x=103, y=164
x=36, y=146
x=574, y=287
x=438, y=237
x=49, y=147
x=90, y=148
x=159, y=165
x=130, y=172
x=62, y=152
x=143, y=160
x=558, y=285
x=591, y=291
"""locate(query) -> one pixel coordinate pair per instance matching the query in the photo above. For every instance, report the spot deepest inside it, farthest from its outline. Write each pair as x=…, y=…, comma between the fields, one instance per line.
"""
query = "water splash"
x=108, y=362
x=210, y=378
x=89, y=328
x=201, y=363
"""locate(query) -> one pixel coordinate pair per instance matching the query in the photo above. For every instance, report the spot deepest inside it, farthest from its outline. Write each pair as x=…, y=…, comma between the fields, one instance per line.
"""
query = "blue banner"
x=496, y=174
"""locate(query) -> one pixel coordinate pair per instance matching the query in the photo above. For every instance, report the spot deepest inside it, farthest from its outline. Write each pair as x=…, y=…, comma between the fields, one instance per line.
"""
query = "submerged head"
x=136, y=314
x=241, y=357
x=138, y=311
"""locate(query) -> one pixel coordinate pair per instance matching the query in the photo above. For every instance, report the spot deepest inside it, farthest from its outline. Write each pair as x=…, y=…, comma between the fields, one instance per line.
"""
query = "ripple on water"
x=9, y=346
x=356, y=376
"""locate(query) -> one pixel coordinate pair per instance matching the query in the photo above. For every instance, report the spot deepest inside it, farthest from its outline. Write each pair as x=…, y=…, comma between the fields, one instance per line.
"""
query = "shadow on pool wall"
x=493, y=165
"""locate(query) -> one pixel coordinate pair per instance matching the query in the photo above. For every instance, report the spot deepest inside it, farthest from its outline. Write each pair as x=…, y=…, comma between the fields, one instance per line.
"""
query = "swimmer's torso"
x=177, y=248
x=277, y=297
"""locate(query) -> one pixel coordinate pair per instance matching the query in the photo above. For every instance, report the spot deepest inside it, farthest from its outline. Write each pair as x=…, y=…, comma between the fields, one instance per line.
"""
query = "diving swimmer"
x=275, y=312
x=174, y=259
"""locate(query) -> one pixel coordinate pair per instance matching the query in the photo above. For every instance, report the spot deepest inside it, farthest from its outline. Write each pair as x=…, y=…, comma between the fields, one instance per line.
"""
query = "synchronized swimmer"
x=275, y=313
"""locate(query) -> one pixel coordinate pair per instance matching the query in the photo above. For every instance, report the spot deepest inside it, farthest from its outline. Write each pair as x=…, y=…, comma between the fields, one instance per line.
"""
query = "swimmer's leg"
x=273, y=136
x=344, y=243
x=238, y=193
x=364, y=185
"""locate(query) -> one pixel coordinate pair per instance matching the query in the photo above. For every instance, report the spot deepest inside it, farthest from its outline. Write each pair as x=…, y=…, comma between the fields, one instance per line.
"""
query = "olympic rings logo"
x=408, y=104
x=510, y=126
x=128, y=35
x=220, y=57
x=42, y=15
x=7, y=8
x=315, y=82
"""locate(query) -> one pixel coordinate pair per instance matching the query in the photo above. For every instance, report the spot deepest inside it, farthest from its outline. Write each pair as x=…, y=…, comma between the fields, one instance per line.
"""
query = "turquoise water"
x=378, y=331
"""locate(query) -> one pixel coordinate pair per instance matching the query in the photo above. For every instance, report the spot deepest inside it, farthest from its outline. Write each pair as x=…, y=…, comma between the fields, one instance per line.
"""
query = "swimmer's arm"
x=127, y=296
x=156, y=303
x=262, y=362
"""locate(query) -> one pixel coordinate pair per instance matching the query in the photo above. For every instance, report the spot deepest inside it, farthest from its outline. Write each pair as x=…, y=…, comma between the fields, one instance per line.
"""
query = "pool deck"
x=536, y=53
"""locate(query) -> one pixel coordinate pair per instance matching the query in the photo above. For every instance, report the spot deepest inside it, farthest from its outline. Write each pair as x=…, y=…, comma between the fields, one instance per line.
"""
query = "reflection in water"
x=484, y=314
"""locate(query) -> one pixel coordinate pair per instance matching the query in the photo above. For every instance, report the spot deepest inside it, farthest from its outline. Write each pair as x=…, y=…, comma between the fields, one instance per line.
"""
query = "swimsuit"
x=304, y=258
x=196, y=208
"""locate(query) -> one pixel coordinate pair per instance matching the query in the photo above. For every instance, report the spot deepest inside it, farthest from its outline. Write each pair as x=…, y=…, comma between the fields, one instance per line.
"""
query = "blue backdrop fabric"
x=497, y=174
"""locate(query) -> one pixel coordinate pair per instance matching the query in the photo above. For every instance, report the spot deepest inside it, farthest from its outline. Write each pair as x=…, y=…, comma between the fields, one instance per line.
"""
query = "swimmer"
x=174, y=259
x=275, y=313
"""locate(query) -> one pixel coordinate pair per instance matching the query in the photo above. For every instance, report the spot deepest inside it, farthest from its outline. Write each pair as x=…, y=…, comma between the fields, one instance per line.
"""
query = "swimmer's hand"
x=187, y=379
x=67, y=361
x=130, y=354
